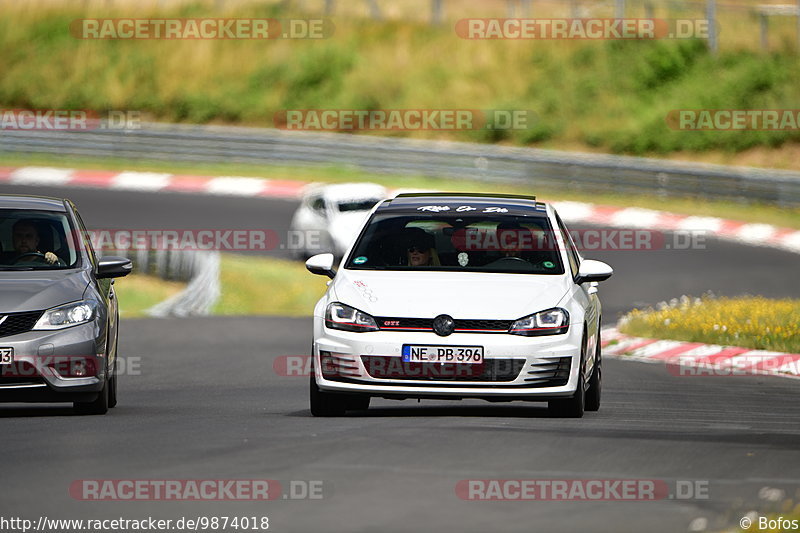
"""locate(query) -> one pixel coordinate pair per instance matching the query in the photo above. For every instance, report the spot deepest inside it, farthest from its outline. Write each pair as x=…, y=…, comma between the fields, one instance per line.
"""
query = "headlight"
x=344, y=317
x=550, y=322
x=67, y=315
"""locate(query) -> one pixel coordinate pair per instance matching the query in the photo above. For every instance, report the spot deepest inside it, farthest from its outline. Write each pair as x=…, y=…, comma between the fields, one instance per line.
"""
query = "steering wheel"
x=510, y=258
x=38, y=256
x=35, y=255
x=512, y=262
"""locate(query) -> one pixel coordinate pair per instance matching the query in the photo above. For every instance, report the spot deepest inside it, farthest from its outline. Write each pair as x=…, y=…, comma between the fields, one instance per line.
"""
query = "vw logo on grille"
x=444, y=325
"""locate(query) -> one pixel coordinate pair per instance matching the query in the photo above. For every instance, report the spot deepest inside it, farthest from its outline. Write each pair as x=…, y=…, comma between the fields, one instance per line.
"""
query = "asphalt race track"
x=204, y=403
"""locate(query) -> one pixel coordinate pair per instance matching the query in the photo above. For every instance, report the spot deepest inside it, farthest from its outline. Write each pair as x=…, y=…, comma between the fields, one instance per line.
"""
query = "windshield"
x=357, y=205
x=36, y=240
x=411, y=240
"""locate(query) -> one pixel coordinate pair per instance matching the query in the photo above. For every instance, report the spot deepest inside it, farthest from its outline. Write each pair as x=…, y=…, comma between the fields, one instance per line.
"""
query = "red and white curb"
x=636, y=217
x=151, y=182
x=686, y=359
x=619, y=217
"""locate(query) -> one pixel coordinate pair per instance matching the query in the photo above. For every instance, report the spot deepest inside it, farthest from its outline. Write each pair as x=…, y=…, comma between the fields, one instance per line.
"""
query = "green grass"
x=137, y=293
x=766, y=214
x=266, y=286
x=749, y=322
x=249, y=286
x=609, y=95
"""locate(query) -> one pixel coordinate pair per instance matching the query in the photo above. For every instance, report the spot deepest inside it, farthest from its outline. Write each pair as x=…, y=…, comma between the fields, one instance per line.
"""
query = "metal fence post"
x=330, y=7
x=161, y=262
x=374, y=10
x=141, y=260
x=619, y=11
x=649, y=11
x=711, y=16
x=511, y=8
x=763, y=23
x=174, y=260
x=436, y=11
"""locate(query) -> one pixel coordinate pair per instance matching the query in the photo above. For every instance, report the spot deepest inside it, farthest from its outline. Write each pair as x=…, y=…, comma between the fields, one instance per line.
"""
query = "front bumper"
x=41, y=359
x=353, y=353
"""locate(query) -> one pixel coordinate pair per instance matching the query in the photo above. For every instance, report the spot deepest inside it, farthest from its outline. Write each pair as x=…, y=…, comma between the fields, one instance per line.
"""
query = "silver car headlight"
x=553, y=321
x=66, y=316
x=346, y=318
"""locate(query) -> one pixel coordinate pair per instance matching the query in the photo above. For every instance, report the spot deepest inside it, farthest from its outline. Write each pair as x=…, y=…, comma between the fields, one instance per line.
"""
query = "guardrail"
x=199, y=268
x=548, y=169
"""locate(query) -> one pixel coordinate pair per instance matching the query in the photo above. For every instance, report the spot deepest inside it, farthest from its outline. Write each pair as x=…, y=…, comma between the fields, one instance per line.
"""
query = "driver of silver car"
x=25, y=237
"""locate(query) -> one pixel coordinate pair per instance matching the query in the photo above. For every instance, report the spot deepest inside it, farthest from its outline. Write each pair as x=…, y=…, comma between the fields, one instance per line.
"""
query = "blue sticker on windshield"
x=360, y=260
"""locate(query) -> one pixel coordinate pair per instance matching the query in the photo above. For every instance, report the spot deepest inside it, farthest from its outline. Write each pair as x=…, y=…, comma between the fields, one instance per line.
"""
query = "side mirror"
x=113, y=267
x=591, y=270
x=321, y=264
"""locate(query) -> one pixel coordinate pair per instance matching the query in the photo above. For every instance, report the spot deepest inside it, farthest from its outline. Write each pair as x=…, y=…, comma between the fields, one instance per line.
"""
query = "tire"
x=572, y=407
x=324, y=403
x=569, y=407
x=98, y=407
x=596, y=381
x=357, y=402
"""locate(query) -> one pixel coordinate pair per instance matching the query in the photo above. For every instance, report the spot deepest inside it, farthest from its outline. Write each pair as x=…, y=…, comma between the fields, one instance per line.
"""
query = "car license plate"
x=424, y=353
x=6, y=356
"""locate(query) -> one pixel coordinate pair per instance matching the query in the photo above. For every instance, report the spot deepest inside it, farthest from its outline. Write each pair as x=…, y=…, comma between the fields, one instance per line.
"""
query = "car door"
x=586, y=295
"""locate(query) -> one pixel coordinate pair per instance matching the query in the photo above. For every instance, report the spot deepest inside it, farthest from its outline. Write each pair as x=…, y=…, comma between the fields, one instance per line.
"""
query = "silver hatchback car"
x=58, y=310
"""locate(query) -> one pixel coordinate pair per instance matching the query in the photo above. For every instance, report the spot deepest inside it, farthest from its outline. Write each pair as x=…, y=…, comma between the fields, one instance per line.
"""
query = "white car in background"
x=330, y=216
x=452, y=296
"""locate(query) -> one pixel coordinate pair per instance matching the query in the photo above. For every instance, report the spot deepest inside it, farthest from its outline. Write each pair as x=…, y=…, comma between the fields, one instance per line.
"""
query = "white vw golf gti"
x=451, y=296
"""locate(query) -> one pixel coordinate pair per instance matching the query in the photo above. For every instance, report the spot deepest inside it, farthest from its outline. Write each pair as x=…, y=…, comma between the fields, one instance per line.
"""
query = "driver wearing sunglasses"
x=421, y=251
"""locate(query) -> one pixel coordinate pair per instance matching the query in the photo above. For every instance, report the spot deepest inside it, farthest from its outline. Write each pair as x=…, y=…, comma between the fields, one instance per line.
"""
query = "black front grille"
x=405, y=323
x=549, y=373
x=461, y=325
x=484, y=325
x=18, y=323
x=502, y=370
